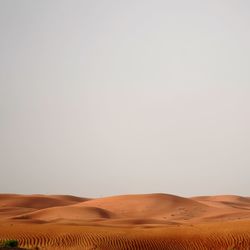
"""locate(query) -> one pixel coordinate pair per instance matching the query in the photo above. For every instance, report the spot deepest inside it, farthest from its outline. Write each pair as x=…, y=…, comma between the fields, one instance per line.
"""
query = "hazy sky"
x=111, y=97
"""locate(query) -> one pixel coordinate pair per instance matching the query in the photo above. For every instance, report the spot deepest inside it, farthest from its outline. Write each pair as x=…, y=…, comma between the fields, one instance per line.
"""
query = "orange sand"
x=152, y=221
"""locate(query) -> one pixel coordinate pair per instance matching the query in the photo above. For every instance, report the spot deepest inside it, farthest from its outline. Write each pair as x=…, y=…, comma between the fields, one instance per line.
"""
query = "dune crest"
x=38, y=201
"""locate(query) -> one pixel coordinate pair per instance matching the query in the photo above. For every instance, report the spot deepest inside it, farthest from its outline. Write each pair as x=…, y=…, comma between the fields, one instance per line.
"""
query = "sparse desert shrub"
x=9, y=243
x=232, y=248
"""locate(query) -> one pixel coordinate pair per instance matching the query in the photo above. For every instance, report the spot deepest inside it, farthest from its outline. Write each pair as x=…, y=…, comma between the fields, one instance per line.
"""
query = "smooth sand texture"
x=151, y=221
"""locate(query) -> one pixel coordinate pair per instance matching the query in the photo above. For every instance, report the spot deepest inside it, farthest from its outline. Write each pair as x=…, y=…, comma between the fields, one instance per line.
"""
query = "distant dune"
x=70, y=213
x=149, y=221
x=38, y=201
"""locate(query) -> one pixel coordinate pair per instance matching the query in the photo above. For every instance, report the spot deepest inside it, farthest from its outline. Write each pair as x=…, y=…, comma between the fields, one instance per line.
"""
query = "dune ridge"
x=38, y=201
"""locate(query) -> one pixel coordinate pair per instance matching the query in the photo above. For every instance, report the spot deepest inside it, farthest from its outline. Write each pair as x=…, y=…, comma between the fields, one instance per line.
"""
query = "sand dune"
x=37, y=201
x=162, y=207
x=204, y=236
x=67, y=213
x=150, y=221
x=231, y=201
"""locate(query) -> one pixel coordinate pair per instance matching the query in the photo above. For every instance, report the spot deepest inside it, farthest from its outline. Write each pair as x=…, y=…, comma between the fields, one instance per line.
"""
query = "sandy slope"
x=37, y=201
x=150, y=221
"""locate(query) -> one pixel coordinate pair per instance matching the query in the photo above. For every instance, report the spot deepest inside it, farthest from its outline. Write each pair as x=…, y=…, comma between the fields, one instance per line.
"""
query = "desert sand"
x=150, y=221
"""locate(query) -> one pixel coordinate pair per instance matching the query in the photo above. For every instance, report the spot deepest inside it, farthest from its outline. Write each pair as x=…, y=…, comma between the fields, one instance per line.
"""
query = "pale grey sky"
x=111, y=97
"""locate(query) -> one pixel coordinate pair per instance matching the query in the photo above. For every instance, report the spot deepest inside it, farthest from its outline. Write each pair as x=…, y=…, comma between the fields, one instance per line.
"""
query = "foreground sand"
x=154, y=221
